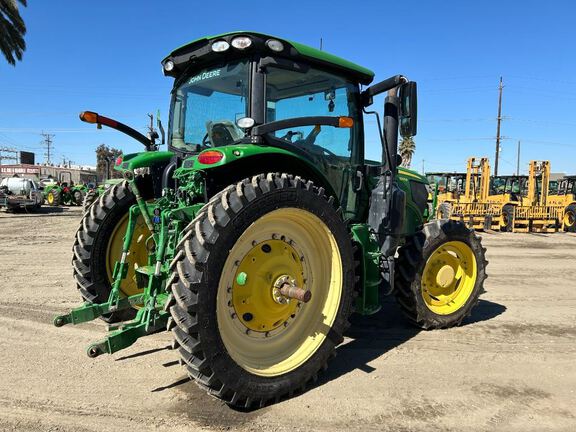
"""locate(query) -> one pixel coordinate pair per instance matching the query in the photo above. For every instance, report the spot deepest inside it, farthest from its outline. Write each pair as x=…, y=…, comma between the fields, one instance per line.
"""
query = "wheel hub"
x=280, y=282
x=448, y=277
x=255, y=299
x=445, y=276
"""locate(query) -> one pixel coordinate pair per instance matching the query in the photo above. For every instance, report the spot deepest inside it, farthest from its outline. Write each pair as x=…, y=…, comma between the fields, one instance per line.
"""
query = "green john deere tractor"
x=264, y=227
x=64, y=192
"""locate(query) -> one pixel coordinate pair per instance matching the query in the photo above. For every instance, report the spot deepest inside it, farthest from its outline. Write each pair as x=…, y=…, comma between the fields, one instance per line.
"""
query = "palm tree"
x=12, y=30
x=407, y=149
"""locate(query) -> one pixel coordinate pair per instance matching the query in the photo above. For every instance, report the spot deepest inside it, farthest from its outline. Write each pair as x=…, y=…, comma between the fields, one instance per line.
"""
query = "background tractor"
x=64, y=192
x=264, y=227
x=447, y=188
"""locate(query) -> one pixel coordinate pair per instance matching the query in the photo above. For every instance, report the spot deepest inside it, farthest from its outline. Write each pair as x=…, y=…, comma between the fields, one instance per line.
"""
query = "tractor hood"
x=412, y=175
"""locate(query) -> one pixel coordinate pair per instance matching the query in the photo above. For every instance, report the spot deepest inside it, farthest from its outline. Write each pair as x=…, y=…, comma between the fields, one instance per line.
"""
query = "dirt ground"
x=510, y=367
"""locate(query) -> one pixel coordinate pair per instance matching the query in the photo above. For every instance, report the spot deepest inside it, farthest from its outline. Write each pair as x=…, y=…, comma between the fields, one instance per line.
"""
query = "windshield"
x=206, y=105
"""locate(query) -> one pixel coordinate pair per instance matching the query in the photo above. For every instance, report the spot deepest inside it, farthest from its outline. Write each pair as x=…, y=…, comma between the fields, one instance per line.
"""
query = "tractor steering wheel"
x=206, y=141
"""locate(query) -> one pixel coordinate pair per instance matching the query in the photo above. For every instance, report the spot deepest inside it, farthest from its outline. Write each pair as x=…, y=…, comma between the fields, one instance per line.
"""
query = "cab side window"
x=292, y=94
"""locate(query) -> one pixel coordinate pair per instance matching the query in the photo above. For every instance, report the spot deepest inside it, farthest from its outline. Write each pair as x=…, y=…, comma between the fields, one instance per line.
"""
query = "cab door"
x=336, y=152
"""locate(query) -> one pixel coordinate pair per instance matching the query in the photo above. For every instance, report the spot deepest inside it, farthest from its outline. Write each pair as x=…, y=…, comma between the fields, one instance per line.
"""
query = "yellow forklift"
x=537, y=212
x=509, y=203
x=564, y=198
x=477, y=207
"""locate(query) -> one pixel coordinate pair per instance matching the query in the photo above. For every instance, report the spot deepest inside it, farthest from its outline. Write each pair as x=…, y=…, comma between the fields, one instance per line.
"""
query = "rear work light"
x=210, y=157
x=241, y=42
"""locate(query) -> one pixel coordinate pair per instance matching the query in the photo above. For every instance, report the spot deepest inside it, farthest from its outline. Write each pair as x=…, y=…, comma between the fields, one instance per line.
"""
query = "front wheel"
x=440, y=274
x=507, y=224
x=570, y=218
x=78, y=197
x=444, y=211
x=238, y=335
x=53, y=198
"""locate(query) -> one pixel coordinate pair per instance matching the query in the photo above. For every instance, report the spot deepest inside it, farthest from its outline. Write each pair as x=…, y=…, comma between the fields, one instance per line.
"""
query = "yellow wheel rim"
x=449, y=277
x=264, y=336
x=569, y=218
x=50, y=198
x=137, y=256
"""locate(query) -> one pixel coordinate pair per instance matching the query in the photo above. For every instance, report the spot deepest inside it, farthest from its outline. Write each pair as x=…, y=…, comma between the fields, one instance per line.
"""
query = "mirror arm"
x=381, y=87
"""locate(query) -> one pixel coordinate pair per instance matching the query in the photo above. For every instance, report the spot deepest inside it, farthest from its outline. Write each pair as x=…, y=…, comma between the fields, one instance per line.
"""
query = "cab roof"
x=292, y=50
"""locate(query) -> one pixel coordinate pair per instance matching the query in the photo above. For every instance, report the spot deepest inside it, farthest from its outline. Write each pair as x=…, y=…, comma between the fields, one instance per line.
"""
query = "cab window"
x=292, y=94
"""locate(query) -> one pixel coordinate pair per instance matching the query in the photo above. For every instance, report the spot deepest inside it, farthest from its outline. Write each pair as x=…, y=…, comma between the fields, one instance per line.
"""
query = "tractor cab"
x=512, y=188
x=237, y=92
x=567, y=186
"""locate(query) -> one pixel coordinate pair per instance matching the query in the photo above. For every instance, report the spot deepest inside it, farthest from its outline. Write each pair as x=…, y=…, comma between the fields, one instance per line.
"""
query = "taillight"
x=66, y=190
x=119, y=160
x=210, y=157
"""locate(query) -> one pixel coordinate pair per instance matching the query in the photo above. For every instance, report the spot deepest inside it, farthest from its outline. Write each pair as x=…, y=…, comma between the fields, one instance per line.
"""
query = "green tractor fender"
x=132, y=161
x=236, y=162
x=414, y=186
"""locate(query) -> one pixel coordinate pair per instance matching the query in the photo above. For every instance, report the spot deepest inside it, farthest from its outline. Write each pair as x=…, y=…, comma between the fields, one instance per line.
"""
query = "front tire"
x=507, y=218
x=444, y=210
x=570, y=218
x=54, y=198
x=78, y=197
x=440, y=274
x=236, y=338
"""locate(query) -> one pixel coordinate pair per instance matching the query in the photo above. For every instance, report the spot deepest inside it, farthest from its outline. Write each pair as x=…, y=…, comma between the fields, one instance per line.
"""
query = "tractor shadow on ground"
x=375, y=335
x=371, y=337
x=143, y=353
x=42, y=211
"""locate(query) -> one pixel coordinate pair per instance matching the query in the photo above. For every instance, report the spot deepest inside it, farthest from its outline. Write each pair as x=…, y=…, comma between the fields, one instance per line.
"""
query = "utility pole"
x=500, y=87
x=423, y=166
x=320, y=44
x=518, y=160
x=48, y=143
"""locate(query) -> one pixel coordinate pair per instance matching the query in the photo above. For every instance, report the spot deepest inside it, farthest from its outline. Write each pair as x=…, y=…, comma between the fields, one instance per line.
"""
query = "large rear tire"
x=440, y=274
x=236, y=337
x=98, y=246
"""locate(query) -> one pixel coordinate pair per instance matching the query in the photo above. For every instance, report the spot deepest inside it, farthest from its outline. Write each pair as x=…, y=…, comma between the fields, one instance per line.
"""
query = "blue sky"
x=105, y=56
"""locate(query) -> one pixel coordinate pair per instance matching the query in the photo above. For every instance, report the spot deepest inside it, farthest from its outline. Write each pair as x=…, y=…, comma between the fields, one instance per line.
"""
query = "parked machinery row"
x=517, y=203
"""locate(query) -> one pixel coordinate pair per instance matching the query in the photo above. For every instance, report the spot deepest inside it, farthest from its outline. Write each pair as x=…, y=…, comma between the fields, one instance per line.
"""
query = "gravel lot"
x=511, y=367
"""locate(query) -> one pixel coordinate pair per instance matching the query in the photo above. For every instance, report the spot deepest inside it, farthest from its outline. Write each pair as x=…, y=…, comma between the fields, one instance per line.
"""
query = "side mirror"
x=408, y=109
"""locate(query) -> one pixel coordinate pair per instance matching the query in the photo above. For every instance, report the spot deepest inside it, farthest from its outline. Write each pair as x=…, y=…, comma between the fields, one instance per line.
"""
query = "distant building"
x=78, y=174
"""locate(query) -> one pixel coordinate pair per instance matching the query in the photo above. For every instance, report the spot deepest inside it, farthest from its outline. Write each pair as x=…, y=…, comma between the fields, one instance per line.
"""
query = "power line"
x=8, y=150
